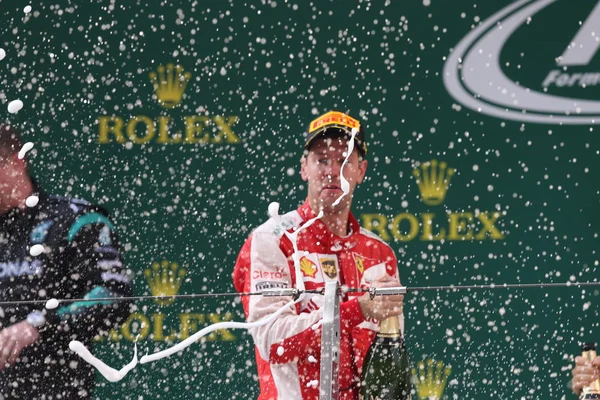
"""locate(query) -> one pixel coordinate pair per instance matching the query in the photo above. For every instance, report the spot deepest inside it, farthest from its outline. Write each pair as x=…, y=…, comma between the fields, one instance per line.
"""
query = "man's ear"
x=20, y=163
x=303, y=173
x=362, y=168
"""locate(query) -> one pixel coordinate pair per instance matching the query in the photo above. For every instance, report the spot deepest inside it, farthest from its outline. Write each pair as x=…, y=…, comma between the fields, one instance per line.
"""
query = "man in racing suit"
x=333, y=248
x=80, y=259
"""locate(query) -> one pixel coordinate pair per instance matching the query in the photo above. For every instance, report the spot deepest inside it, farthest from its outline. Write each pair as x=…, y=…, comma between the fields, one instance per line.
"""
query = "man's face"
x=12, y=175
x=321, y=168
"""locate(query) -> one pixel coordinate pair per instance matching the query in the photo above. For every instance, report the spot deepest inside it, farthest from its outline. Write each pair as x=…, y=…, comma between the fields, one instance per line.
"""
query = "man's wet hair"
x=10, y=140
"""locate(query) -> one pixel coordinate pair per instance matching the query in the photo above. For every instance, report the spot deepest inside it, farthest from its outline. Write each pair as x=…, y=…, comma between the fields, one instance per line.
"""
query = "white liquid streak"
x=52, y=304
x=214, y=327
x=26, y=147
x=345, y=183
x=297, y=255
x=111, y=374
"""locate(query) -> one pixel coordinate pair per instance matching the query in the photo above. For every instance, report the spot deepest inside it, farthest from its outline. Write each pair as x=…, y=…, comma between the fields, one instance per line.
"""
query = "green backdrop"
x=188, y=173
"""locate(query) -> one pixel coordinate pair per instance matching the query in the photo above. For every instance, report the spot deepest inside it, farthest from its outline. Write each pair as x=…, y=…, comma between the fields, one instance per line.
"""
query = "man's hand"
x=13, y=340
x=584, y=373
x=382, y=307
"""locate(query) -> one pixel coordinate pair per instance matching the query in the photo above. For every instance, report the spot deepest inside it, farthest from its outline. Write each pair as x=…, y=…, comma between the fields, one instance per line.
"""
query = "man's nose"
x=333, y=169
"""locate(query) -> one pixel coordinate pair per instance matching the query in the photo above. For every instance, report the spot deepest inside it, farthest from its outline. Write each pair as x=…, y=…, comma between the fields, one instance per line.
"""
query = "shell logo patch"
x=308, y=267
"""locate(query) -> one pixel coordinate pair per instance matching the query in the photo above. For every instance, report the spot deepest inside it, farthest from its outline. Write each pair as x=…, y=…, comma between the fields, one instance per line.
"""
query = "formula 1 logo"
x=474, y=76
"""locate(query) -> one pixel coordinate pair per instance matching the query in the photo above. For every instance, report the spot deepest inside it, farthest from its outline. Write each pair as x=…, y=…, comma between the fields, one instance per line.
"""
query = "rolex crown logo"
x=164, y=279
x=430, y=379
x=433, y=180
x=169, y=84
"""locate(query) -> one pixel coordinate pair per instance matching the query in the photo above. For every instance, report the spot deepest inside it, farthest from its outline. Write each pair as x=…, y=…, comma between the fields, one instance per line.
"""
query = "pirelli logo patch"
x=333, y=118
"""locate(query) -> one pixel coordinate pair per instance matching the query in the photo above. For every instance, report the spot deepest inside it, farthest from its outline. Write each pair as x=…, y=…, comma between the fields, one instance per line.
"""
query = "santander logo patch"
x=474, y=77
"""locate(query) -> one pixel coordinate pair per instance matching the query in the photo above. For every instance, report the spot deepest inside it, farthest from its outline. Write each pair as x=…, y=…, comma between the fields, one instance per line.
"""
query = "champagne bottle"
x=386, y=371
x=588, y=351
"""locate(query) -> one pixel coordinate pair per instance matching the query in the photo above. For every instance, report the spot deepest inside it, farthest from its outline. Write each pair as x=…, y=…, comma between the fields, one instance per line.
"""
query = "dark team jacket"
x=81, y=259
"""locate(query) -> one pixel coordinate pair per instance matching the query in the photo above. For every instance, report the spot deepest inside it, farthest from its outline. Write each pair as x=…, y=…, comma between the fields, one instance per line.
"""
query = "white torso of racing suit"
x=288, y=348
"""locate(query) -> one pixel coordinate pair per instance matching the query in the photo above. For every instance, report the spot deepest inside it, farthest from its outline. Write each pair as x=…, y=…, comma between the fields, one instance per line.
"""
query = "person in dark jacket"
x=52, y=247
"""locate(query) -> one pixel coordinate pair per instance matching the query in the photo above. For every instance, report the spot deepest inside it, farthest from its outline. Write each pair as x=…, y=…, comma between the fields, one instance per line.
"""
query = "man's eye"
x=322, y=161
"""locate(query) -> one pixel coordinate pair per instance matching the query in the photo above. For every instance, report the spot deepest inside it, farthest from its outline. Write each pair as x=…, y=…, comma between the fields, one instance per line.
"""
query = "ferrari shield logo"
x=360, y=266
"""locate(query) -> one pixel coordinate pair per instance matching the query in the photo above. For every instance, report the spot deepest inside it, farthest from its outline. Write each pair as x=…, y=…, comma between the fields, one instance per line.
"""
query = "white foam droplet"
x=26, y=147
x=2, y=54
x=32, y=201
x=14, y=106
x=273, y=209
x=52, y=304
x=36, y=250
x=27, y=9
x=280, y=351
x=312, y=359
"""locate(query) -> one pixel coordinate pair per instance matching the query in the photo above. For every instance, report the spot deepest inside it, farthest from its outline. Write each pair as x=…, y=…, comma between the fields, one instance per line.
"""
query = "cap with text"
x=334, y=123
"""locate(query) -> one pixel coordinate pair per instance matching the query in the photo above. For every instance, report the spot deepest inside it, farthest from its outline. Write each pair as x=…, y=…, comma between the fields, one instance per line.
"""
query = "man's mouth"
x=332, y=187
